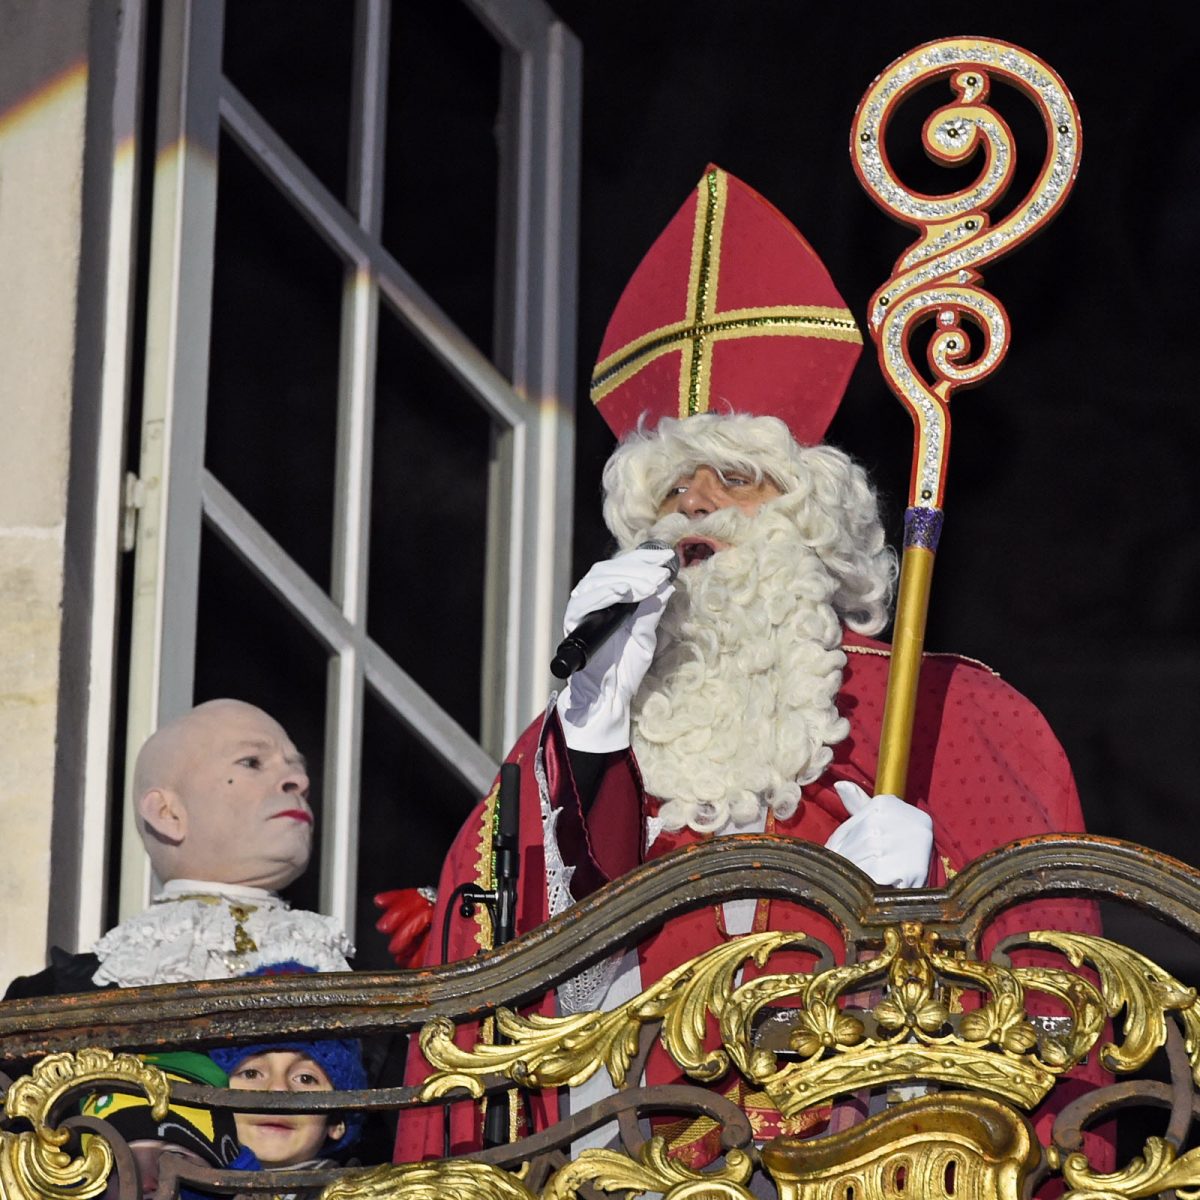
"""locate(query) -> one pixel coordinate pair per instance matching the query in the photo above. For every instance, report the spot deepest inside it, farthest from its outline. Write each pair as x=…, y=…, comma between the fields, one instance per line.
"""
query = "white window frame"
x=98, y=491
x=531, y=483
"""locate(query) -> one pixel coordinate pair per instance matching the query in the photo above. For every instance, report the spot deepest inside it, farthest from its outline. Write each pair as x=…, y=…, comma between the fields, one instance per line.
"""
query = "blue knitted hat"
x=339, y=1058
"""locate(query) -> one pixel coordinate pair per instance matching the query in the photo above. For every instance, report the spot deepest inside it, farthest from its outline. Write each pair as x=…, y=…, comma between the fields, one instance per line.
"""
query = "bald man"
x=221, y=794
x=221, y=800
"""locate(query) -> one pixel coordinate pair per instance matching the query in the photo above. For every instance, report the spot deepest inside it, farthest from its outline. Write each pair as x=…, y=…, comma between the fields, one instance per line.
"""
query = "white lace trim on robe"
x=200, y=930
x=585, y=991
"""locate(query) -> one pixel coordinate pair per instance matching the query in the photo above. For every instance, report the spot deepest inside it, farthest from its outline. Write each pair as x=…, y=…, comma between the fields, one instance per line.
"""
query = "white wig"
x=830, y=498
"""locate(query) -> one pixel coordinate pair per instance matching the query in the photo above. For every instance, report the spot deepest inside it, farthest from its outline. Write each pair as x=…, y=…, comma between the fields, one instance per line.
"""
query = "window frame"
x=530, y=484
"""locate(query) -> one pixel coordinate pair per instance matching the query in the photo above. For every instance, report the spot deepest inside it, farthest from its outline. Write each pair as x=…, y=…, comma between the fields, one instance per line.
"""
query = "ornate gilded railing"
x=906, y=999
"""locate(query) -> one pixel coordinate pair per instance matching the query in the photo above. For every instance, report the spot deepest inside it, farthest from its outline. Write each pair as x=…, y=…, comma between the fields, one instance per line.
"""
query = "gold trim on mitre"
x=792, y=320
x=704, y=325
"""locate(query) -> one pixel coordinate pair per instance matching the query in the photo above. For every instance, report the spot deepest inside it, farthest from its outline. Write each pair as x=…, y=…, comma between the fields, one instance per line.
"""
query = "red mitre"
x=731, y=309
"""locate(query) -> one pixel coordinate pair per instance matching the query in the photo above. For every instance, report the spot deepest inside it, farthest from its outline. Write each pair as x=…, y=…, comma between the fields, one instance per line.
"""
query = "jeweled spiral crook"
x=939, y=279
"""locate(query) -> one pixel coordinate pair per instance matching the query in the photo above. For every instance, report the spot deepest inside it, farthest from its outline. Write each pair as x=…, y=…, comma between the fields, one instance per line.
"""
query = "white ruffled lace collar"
x=196, y=929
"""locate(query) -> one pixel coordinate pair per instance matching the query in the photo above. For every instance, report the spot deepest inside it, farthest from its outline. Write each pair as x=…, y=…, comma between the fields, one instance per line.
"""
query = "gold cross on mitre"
x=729, y=270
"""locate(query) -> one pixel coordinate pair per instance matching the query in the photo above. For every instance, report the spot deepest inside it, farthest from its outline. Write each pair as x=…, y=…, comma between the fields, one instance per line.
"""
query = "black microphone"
x=597, y=627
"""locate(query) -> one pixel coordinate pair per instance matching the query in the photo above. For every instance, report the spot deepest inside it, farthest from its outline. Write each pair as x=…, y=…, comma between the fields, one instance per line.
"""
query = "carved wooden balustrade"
x=876, y=1013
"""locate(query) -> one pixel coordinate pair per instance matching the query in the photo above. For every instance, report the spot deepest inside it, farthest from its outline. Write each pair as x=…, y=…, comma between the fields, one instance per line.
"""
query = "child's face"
x=283, y=1139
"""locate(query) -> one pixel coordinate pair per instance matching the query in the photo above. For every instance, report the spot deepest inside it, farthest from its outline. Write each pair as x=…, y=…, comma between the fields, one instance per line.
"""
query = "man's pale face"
x=707, y=491
x=245, y=790
x=283, y=1139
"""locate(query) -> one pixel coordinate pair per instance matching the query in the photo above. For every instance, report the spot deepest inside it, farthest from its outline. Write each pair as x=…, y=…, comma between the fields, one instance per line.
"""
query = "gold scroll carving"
x=34, y=1165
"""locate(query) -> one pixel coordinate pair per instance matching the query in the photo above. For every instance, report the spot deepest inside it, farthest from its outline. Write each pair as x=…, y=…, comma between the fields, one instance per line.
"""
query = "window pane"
x=249, y=647
x=428, y=523
x=272, y=413
x=411, y=810
x=439, y=217
x=292, y=59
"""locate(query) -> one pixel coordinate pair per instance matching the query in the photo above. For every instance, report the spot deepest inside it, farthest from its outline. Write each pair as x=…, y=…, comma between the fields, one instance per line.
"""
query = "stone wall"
x=41, y=155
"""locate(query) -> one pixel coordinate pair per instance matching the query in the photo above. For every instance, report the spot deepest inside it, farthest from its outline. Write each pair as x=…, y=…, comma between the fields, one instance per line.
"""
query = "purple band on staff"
x=922, y=527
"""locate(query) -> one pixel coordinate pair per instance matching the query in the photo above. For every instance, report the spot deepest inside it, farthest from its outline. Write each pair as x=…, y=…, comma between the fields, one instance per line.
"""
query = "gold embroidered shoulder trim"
x=881, y=652
x=878, y=651
x=484, y=867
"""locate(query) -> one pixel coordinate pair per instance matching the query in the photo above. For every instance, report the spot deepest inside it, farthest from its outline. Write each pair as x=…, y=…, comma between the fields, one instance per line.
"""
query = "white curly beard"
x=738, y=708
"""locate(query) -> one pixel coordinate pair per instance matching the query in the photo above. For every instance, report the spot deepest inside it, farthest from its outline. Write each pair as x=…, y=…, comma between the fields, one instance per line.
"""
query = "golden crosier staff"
x=938, y=279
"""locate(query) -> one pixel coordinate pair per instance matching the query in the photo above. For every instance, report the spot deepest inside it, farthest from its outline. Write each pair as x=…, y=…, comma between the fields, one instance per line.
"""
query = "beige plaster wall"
x=41, y=154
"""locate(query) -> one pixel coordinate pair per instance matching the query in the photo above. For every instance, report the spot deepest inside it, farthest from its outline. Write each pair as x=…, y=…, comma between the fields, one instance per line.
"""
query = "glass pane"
x=439, y=216
x=292, y=59
x=249, y=647
x=272, y=412
x=428, y=523
x=411, y=809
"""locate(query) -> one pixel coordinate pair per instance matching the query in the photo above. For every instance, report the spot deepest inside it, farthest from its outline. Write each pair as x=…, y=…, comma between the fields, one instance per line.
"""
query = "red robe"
x=984, y=764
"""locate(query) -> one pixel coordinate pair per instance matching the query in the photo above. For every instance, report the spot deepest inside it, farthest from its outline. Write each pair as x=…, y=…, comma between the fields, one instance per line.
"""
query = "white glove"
x=594, y=706
x=885, y=837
